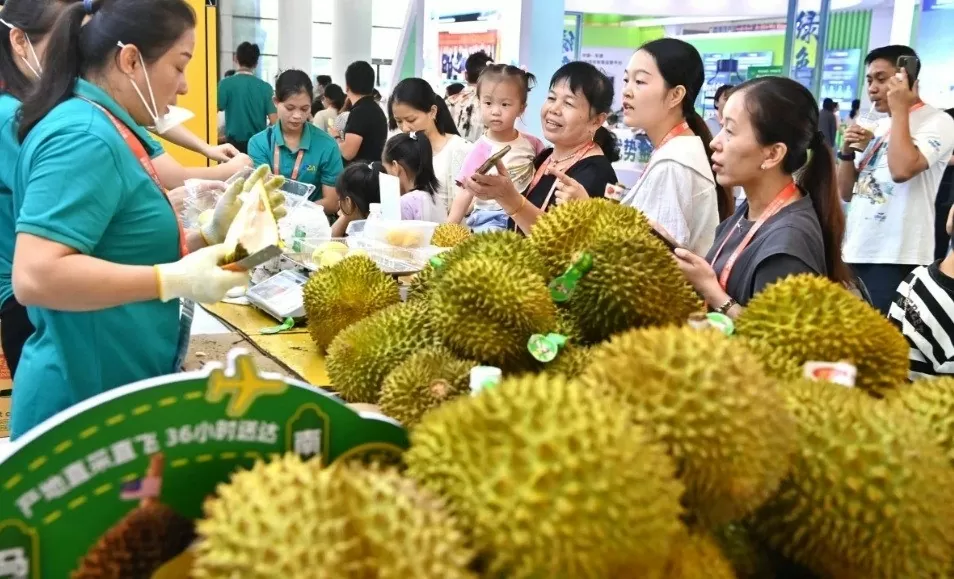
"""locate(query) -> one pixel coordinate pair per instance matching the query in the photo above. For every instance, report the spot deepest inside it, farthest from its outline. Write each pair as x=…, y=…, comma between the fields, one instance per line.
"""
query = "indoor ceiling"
x=736, y=8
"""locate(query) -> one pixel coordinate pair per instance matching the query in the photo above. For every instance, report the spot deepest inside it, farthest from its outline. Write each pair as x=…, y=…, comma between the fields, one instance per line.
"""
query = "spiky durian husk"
x=299, y=520
x=450, y=235
x=807, y=318
x=551, y=479
x=869, y=494
x=423, y=382
x=487, y=309
x=362, y=355
x=349, y=291
x=706, y=397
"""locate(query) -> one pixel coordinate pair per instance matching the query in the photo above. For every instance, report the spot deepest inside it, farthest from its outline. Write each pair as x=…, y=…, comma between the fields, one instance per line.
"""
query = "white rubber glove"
x=229, y=204
x=198, y=277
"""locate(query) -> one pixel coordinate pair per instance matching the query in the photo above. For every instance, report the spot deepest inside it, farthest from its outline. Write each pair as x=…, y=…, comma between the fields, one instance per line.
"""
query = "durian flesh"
x=254, y=227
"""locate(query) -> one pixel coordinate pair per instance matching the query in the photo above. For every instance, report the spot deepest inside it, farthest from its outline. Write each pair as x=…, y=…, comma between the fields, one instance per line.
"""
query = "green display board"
x=77, y=475
x=760, y=71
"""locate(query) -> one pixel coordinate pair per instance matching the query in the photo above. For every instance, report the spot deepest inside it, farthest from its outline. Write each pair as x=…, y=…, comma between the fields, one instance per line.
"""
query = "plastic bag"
x=198, y=203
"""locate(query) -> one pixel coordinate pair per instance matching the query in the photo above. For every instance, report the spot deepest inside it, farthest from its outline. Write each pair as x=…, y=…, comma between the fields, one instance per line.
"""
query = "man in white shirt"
x=892, y=186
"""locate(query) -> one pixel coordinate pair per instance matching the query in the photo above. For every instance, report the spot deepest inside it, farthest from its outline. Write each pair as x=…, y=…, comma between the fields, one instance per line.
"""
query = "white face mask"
x=176, y=115
x=39, y=69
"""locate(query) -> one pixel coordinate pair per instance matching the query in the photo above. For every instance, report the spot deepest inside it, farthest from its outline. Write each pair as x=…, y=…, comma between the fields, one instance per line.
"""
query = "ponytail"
x=413, y=152
x=61, y=68
x=608, y=142
x=817, y=179
x=701, y=129
x=444, y=121
x=75, y=49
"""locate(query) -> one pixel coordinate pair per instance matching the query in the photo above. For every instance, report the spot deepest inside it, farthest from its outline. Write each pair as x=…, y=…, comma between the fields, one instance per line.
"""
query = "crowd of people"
x=93, y=263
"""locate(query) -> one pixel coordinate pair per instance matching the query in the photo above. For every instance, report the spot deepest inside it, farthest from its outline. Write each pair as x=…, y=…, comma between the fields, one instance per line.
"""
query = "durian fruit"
x=450, y=234
x=423, y=382
x=345, y=293
x=707, y=398
x=142, y=542
x=505, y=246
x=749, y=558
x=487, y=309
x=571, y=362
x=297, y=520
x=633, y=283
x=870, y=495
x=697, y=556
x=552, y=480
x=933, y=402
x=255, y=227
x=364, y=353
x=559, y=235
x=807, y=318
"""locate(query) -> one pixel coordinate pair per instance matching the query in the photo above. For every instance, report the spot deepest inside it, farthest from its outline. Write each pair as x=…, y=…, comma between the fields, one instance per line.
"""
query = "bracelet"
x=846, y=156
x=523, y=204
x=728, y=305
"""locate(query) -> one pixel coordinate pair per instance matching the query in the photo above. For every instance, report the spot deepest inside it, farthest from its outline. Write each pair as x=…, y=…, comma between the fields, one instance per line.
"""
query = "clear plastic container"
x=356, y=228
x=402, y=234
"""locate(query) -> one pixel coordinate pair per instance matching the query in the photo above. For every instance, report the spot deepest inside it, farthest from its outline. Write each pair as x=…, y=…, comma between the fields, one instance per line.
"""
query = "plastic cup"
x=867, y=124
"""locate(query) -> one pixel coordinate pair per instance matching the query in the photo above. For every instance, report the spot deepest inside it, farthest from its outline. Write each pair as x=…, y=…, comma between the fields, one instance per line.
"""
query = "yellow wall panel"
x=202, y=75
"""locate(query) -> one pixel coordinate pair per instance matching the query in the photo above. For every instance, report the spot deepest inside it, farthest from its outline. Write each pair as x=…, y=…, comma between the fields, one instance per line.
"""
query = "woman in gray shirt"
x=788, y=224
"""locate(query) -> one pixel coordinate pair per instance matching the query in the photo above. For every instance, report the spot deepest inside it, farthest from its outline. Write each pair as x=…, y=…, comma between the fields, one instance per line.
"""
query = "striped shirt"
x=923, y=309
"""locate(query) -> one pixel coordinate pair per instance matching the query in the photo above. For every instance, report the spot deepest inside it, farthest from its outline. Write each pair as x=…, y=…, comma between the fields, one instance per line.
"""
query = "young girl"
x=503, y=91
x=414, y=106
x=358, y=188
x=408, y=157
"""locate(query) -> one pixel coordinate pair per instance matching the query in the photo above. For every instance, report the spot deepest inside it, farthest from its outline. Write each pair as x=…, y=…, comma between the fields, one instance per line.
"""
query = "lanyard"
x=880, y=142
x=782, y=199
x=276, y=166
x=546, y=166
x=140, y=153
x=679, y=129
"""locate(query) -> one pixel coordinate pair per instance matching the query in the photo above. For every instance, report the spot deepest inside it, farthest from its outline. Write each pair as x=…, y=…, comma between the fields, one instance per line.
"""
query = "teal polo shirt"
x=79, y=184
x=9, y=151
x=247, y=103
x=320, y=165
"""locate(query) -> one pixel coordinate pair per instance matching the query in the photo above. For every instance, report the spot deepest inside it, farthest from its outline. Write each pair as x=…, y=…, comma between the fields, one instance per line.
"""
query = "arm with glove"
x=55, y=269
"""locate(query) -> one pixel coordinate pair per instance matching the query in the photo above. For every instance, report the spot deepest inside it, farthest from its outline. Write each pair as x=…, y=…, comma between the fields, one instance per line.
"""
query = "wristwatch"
x=724, y=308
x=846, y=156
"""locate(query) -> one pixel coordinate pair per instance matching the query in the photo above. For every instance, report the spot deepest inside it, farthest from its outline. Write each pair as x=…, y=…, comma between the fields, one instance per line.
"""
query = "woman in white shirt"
x=333, y=99
x=677, y=188
x=414, y=106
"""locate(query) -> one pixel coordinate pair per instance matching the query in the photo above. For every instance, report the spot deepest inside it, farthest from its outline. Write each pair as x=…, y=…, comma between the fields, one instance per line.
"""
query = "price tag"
x=562, y=288
x=843, y=373
x=545, y=348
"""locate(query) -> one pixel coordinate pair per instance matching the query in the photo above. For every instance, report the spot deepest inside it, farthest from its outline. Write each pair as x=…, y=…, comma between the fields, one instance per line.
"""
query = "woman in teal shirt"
x=24, y=28
x=295, y=148
x=100, y=260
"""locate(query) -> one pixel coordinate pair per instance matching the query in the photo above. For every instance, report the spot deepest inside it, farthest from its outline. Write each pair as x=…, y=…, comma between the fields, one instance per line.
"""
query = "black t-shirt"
x=593, y=173
x=787, y=244
x=367, y=120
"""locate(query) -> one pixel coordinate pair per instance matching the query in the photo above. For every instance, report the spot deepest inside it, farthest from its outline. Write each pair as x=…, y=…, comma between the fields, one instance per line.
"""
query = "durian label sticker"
x=81, y=475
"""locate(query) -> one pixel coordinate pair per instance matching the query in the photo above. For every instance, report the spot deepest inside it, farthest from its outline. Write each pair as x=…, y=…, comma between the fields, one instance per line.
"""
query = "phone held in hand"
x=492, y=161
x=911, y=66
x=672, y=246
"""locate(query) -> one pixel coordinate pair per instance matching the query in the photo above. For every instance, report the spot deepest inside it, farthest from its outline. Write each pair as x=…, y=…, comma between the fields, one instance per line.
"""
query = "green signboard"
x=760, y=71
x=170, y=440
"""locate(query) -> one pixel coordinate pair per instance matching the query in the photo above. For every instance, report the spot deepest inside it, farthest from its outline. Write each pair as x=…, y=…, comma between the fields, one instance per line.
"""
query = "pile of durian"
x=647, y=449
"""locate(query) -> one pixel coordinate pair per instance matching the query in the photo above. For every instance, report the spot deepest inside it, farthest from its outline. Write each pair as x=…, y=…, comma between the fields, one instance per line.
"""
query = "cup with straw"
x=867, y=123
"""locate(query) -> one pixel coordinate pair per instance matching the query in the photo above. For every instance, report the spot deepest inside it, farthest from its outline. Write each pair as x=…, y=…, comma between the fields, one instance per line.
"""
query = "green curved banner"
x=169, y=440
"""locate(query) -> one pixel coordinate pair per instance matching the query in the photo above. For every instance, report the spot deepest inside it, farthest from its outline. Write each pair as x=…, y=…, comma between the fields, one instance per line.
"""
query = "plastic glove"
x=198, y=277
x=229, y=204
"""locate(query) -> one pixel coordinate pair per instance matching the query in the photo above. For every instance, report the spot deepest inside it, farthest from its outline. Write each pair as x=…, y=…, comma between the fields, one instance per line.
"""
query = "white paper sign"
x=390, y=197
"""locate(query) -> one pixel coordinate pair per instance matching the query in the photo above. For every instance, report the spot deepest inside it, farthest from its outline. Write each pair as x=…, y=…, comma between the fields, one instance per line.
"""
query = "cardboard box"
x=6, y=386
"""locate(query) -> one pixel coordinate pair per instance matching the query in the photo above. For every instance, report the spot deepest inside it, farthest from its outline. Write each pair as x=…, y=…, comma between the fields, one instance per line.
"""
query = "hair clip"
x=89, y=6
x=413, y=135
x=371, y=166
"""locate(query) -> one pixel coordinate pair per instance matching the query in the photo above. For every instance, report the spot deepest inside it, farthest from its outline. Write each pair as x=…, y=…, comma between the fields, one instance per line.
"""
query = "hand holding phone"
x=911, y=66
x=492, y=161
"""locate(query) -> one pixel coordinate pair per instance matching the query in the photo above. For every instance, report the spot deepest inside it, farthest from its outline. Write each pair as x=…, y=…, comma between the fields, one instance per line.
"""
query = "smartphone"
x=492, y=161
x=672, y=246
x=256, y=259
x=912, y=66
